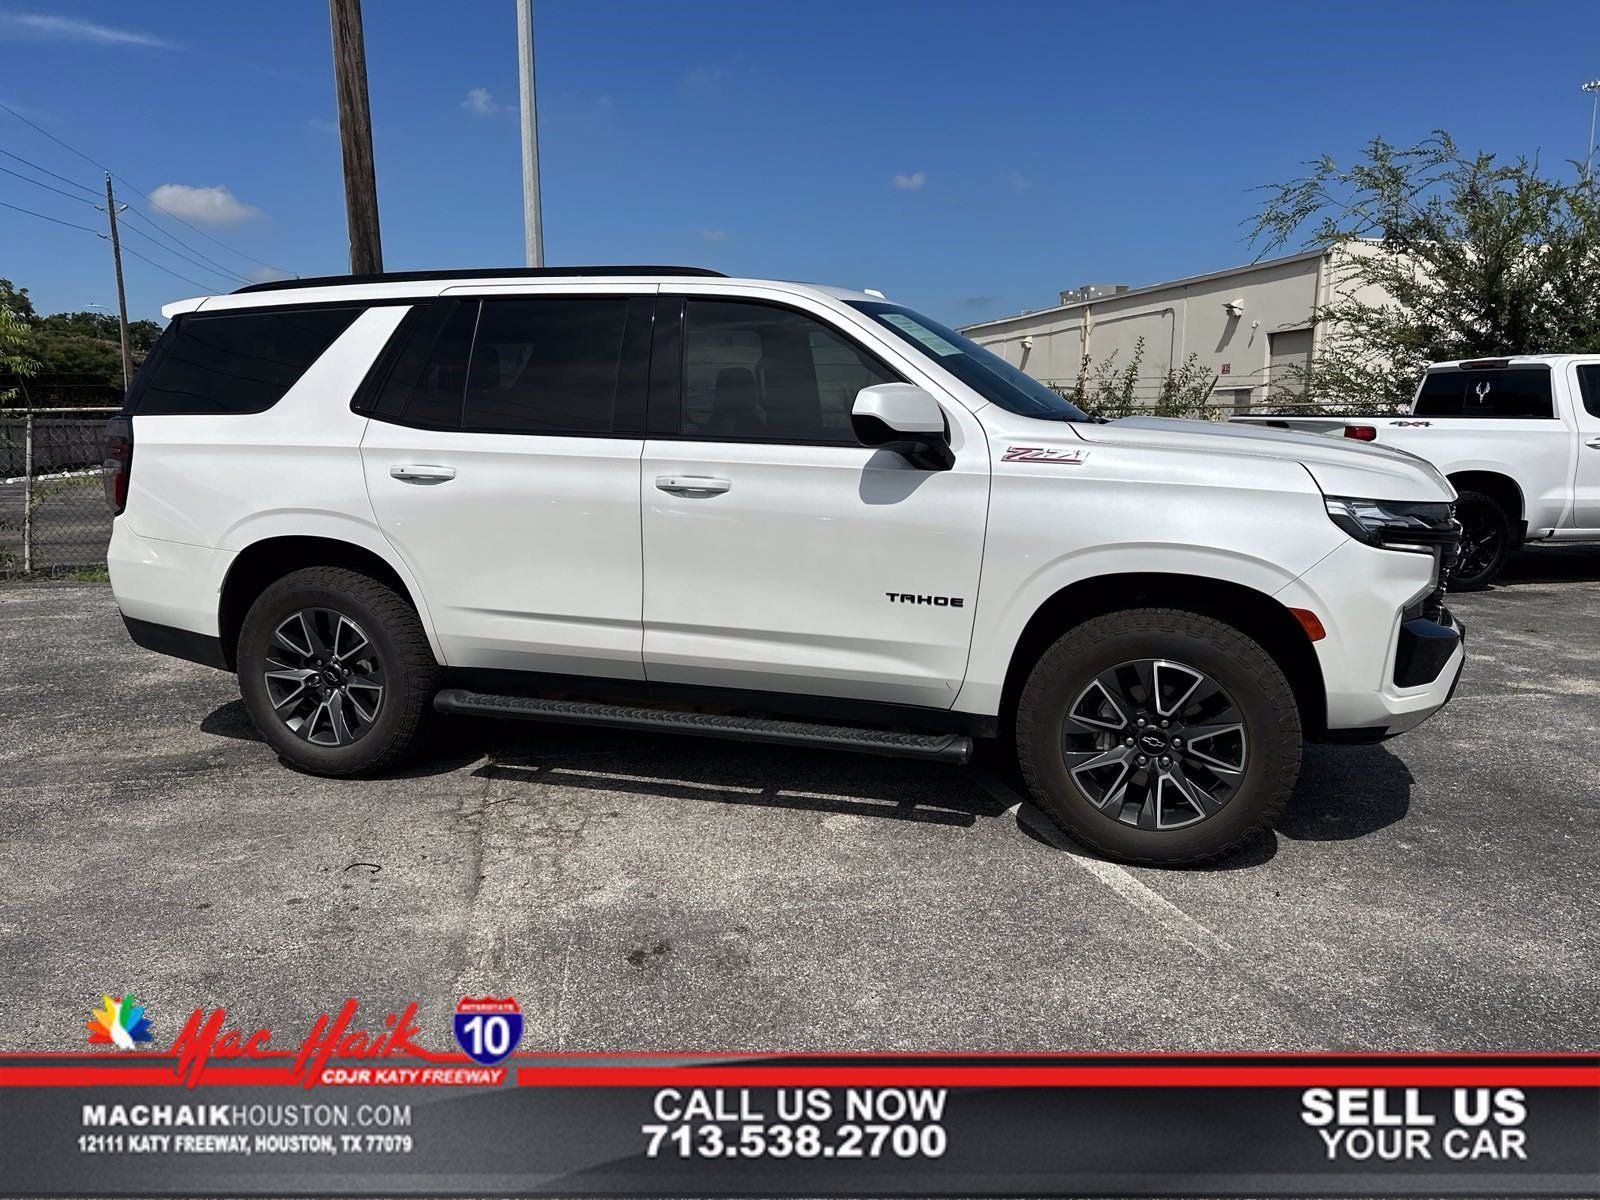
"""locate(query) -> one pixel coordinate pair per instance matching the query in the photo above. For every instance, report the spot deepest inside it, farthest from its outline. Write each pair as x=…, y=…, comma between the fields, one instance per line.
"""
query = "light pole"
x=1593, y=88
x=532, y=218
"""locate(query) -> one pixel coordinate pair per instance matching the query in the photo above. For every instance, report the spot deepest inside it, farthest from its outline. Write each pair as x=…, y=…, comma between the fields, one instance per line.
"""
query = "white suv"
x=663, y=499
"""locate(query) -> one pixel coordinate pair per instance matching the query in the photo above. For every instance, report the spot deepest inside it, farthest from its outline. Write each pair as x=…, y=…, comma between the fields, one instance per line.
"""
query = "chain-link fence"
x=54, y=517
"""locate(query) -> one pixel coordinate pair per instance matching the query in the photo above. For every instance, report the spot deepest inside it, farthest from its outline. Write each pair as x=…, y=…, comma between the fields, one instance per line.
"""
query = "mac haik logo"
x=488, y=1029
x=119, y=1022
x=206, y=1036
x=1045, y=454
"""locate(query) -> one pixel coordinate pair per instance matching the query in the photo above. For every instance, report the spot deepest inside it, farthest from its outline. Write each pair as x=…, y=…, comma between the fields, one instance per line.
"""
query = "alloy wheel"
x=1481, y=545
x=324, y=678
x=1156, y=744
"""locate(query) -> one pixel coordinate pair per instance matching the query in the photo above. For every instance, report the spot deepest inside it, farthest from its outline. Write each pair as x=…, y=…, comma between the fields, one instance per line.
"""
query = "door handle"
x=1593, y=443
x=693, y=485
x=421, y=473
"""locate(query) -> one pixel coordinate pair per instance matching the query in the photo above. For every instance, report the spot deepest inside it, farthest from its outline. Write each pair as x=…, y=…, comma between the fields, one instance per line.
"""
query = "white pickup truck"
x=1518, y=437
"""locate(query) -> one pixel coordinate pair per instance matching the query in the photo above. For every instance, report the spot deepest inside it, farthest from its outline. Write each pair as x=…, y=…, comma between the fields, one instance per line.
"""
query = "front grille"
x=1432, y=605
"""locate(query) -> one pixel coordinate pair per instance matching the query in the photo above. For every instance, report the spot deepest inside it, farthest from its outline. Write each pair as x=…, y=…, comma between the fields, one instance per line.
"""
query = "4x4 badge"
x=1049, y=454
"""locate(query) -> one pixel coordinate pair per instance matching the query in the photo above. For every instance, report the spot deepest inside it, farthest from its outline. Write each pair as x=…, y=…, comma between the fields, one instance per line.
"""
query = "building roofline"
x=1187, y=281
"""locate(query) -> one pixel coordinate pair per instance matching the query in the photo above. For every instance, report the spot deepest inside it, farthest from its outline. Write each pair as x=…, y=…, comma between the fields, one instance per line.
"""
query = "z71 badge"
x=1047, y=454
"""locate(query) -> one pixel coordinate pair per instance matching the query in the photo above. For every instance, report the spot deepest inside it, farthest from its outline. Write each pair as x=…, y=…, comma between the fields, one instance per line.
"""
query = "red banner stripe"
x=1151, y=1076
x=1287, y=1076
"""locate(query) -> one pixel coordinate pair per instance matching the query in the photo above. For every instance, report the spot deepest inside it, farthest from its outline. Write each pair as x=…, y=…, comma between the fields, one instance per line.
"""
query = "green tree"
x=15, y=361
x=16, y=299
x=76, y=356
x=1445, y=255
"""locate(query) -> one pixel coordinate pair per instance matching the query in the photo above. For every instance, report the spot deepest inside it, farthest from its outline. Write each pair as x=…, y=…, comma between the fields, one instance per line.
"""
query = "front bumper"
x=1425, y=647
x=1385, y=669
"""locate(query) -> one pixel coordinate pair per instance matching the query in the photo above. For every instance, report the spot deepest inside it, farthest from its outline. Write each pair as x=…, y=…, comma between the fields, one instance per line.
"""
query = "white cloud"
x=207, y=205
x=19, y=25
x=323, y=125
x=268, y=275
x=713, y=235
x=480, y=102
x=1018, y=181
x=910, y=182
x=702, y=79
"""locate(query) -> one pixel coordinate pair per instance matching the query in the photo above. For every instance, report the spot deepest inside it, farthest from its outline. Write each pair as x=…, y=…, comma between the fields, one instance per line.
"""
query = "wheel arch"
x=1502, y=489
x=262, y=562
x=1252, y=612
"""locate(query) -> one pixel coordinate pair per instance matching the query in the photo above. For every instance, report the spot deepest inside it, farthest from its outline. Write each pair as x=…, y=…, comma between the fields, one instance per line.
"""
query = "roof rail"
x=278, y=285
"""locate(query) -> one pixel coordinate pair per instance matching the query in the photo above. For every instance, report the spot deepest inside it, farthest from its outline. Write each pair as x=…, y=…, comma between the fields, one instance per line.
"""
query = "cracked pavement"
x=658, y=893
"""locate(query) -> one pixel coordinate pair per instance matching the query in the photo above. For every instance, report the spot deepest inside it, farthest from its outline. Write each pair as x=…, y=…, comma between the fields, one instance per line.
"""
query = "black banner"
x=817, y=1126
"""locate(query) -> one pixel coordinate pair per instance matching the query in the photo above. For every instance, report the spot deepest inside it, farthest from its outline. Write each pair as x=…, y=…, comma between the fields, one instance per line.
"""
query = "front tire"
x=336, y=672
x=1159, y=736
x=1488, y=536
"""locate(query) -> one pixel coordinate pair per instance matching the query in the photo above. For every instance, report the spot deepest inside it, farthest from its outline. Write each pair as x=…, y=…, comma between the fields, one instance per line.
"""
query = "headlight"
x=1420, y=526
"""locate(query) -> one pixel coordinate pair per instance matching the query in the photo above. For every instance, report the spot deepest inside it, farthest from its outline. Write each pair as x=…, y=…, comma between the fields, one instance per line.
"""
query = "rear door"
x=780, y=554
x=1498, y=418
x=1586, y=475
x=502, y=460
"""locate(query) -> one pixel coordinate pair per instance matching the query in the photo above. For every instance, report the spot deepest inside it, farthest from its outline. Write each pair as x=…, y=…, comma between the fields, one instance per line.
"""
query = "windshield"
x=983, y=371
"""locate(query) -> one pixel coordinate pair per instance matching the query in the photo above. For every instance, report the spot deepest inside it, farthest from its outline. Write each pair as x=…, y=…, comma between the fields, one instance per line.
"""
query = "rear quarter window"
x=223, y=363
x=1511, y=392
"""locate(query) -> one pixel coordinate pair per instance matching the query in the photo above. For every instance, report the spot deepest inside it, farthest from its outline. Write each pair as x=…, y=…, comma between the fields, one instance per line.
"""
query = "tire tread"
x=1248, y=653
x=416, y=667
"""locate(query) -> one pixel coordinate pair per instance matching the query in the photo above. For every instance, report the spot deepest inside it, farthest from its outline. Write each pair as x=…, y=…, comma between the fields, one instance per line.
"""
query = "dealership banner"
x=357, y=1105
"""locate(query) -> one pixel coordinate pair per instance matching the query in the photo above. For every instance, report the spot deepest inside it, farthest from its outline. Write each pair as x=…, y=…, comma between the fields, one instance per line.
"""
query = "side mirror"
x=905, y=419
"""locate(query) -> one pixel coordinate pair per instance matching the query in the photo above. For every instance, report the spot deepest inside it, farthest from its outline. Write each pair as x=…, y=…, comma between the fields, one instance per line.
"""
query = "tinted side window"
x=1589, y=384
x=429, y=375
x=239, y=362
x=753, y=372
x=1517, y=392
x=548, y=365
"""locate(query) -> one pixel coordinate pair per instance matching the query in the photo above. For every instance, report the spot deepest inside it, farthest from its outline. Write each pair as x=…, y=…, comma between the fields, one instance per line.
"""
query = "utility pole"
x=355, y=137
x=1593, y=88
x=122, y=299
x=532, y=225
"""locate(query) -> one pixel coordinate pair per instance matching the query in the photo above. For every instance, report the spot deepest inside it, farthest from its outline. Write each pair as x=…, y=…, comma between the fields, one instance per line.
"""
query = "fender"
x=256, y=528
x=1001, y=620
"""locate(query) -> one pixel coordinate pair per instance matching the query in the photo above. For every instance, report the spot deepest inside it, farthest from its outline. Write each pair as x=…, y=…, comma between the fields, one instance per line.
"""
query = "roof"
x=279, y=285
x=404, y=286
x=1549, y=360
x=1134, y=293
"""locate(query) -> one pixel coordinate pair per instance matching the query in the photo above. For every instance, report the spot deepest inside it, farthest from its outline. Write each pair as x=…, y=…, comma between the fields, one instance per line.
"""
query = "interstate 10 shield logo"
x=488, y=1029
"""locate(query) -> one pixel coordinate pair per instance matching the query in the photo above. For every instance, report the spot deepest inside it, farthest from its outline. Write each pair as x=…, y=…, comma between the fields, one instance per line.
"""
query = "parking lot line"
x=1119, y=879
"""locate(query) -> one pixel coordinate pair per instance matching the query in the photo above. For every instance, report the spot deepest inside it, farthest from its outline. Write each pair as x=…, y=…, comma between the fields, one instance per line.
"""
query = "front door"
x=780, y=554
x=502, y=462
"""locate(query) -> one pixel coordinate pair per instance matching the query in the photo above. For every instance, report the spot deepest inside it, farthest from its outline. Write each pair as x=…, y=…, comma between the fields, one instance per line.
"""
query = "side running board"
x=939, y=747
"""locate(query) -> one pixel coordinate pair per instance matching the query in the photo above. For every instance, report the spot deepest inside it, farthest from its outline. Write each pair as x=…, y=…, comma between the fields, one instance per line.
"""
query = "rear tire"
x=336, y=672
x=1488, y=537
x=1231, y=736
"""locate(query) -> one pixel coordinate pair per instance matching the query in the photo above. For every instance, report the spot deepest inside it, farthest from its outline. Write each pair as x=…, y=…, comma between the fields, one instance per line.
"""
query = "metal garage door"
x=1290, y=351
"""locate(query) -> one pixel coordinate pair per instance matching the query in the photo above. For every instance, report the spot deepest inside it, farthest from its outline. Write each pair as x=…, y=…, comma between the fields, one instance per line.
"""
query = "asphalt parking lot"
x=1438, y=892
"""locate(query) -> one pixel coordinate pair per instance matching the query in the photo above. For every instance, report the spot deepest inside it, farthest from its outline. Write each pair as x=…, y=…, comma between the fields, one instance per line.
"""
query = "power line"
x=52, y=174
x=204, y=234
x=126, y=250
x=159, y=267
x=53, y=220
x=229, y=275
x=46, y=186
x=200, y=254
x=92, y=162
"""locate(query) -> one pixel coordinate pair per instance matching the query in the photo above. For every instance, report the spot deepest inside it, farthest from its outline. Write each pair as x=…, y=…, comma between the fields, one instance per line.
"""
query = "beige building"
x=1251, y=326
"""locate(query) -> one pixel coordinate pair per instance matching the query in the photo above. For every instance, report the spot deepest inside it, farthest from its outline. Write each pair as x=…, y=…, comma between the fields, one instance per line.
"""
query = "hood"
x=1341, y=466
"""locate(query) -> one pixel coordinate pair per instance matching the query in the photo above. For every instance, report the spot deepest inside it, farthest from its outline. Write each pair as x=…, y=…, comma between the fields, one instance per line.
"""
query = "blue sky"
x=970, y=159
